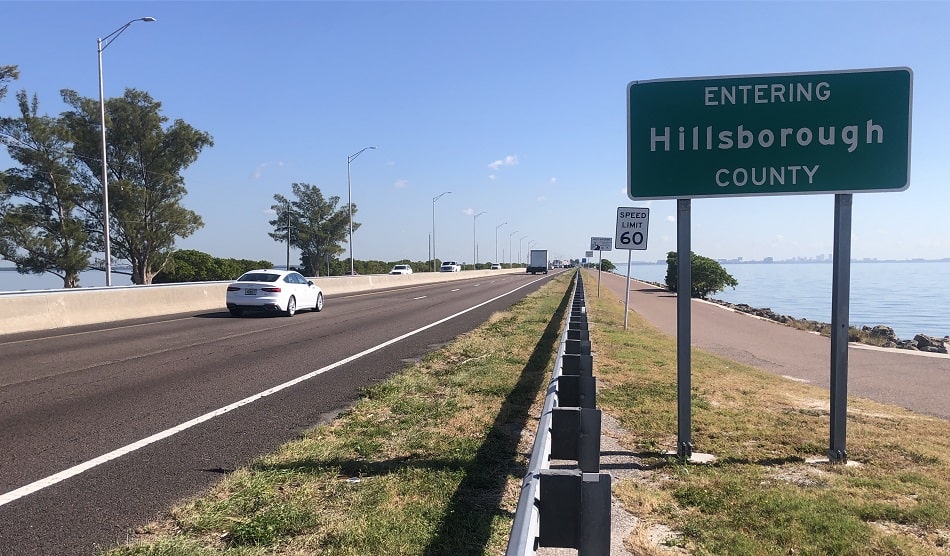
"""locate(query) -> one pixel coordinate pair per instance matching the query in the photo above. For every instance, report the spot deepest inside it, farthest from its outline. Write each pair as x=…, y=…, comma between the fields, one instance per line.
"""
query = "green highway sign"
x=771, y=134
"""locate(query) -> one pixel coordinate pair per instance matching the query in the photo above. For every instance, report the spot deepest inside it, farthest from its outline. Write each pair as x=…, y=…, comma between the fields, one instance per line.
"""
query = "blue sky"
x=517, y=108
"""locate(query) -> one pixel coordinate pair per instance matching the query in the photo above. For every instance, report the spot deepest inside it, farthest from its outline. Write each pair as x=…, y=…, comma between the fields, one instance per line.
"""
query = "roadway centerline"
x=51, y=480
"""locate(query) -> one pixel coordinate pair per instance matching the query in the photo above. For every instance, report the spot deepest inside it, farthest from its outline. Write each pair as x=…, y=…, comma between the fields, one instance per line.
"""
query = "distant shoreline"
x=805, y=261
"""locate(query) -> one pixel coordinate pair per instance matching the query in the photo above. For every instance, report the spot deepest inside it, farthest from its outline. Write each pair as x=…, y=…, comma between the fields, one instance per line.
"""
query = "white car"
x=401, y=269
x=496, y=266
x=267, y=289
x=450, y=266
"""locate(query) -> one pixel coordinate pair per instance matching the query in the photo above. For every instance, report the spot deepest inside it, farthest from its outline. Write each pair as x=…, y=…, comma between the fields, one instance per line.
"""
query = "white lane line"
x=420, y=297
x=39, y=485
x=456, y=289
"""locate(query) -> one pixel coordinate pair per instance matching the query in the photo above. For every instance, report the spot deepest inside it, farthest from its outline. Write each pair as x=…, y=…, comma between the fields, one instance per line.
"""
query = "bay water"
x=909, y=296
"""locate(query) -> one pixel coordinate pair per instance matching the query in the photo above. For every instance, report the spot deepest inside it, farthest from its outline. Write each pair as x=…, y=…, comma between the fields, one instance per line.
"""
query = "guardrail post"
x=575, y=435
x=577, y=347
x=595, y=515
x=576, y=364
x=578, y=334
x=577, y=391
x=574, y=510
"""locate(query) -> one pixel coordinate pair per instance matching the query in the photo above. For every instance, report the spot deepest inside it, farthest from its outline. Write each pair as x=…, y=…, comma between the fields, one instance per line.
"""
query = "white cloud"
x=468, y=211
x=491, y=177
x=259, y=171
x=542, y=199
x=553, y=181
x=671, y=218
x=510, y=160
x=401, y=184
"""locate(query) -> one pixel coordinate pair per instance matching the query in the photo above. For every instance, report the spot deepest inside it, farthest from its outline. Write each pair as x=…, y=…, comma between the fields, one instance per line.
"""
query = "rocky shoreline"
x=880, y=335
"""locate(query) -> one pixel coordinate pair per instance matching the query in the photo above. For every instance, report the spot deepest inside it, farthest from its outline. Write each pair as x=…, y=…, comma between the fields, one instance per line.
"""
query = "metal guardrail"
x=574, y=511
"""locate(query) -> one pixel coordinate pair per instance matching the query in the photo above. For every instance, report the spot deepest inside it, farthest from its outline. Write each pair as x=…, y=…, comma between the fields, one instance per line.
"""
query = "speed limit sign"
x=632, y=226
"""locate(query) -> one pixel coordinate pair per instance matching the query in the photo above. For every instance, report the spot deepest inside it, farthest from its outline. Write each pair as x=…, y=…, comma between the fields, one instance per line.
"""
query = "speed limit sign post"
x=632, y=226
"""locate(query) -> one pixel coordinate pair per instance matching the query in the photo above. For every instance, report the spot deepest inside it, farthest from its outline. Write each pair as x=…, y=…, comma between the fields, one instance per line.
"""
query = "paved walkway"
x=915, y=380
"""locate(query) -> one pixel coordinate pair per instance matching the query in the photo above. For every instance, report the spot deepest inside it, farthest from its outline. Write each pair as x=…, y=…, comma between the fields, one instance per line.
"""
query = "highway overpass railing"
x=565, y=500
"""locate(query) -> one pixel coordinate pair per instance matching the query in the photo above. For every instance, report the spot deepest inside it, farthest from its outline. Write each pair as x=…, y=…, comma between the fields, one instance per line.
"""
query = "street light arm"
x=107, y=40
x=352, y=157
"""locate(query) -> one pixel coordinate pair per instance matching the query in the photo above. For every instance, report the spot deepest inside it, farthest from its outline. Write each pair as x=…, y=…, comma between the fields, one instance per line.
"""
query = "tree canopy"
x=314, y=224
x=43, y=222
x=145, y=160
x=708, y=276
x=188, y=265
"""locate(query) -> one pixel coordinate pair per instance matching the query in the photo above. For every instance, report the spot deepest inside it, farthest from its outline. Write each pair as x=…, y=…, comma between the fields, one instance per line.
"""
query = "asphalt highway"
x=913, y=380
x=103, y=428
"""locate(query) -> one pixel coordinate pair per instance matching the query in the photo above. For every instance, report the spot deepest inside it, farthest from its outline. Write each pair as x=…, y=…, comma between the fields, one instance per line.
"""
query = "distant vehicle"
x=537, y=261
x=401, y=269
x=496, y=266
x=281, y=291
x=450, y=266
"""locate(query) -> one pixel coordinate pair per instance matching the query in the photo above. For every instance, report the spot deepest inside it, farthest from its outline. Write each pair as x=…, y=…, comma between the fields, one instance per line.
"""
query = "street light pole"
x=496, y=241
x=101, y=45
x=474, y=242
x=509, y=247
x=434, y=199
x=349, y=198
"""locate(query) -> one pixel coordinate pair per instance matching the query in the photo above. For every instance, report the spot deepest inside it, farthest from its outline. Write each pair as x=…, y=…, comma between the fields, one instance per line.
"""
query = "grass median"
x=431, y=461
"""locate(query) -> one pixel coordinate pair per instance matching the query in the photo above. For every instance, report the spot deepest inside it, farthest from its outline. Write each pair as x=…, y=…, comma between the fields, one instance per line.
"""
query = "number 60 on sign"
x=632, y=226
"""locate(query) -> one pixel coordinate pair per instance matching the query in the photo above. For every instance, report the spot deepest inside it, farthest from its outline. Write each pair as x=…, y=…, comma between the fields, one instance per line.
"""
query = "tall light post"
x=519, y=248
x=474, y=242
x=509, y=247
x=101, y=45
x=349, y=197
x=496, y=240
x=434, y=199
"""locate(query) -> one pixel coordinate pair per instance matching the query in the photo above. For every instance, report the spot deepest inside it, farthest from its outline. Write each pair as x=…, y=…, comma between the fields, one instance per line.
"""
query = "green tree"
x=314, y=224
x=42, y=223
x=145, y=161
x=708, y=276
x=187, y=265
x=607, y=266
x=7, y=73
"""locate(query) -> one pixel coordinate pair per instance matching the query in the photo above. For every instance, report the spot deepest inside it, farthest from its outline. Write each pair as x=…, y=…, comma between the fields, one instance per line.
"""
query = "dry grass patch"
x=761, y=497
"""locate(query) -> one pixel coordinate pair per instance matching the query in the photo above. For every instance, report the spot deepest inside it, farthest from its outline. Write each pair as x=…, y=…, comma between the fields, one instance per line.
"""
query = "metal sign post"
x=684, y=289
x=840, y=293
x=600, y=244
x=632, y=226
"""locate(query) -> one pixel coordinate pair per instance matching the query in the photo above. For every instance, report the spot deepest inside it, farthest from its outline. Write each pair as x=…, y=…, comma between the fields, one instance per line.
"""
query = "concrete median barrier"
x=49, y=309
